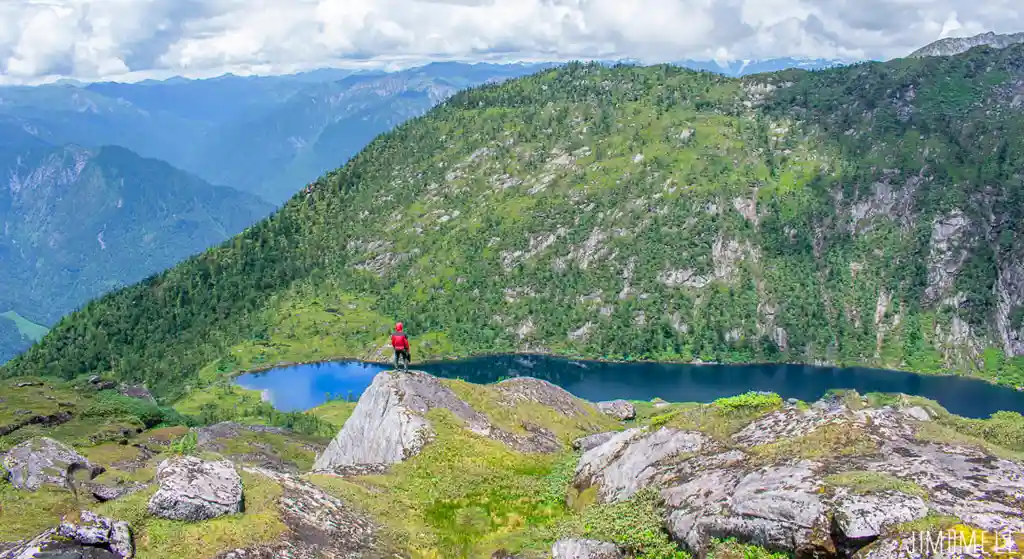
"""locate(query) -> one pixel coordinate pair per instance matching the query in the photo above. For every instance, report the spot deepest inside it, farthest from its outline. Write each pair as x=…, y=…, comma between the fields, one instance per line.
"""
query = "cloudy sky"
x=133, y=39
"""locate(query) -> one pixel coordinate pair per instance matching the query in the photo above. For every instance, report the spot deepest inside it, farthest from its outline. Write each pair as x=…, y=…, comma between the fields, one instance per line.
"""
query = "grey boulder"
x=863, y=517
x=90, y=537
x=591, y=442
x=585, y=549
x=619, y=409
x=44, y=461
x=389, y=424
x=94, y=530
x=192, y=489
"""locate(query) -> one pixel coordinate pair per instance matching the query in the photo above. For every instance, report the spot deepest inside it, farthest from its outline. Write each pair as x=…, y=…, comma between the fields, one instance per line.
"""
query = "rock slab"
x=90, y=537
x=619, y=409
x=192, y=489
x=585, y=549
x=44, y=461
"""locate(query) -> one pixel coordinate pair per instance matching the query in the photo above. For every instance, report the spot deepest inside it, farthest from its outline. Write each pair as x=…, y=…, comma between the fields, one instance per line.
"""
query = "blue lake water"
x=302, y=387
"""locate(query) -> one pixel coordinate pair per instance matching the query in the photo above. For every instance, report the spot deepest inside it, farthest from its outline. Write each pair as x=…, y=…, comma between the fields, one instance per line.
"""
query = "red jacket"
x=399, y=341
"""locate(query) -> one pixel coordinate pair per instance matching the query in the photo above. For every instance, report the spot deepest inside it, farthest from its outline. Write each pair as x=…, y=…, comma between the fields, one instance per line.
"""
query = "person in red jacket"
x=400, y=342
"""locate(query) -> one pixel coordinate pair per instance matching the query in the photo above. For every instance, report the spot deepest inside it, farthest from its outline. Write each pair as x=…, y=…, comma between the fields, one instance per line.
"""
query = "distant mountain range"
x=77, y=222
x=957, y=45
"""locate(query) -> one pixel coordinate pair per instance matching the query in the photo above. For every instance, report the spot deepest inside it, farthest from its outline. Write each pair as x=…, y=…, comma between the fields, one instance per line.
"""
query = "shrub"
x=185, y=445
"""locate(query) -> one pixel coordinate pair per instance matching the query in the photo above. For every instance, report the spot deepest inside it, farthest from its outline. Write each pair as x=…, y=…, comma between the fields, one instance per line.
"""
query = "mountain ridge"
x=956, y=45
x=849, y=216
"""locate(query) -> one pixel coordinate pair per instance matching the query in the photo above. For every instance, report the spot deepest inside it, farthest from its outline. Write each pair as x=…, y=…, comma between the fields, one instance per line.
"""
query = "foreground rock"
x=779, y=482
x=44, y=461
x=193, y=489
x=389, y=423
x=585, y=549
x=589, y=442
x=619, y=409
x=90, y=537
x=319, y=526
x=106, y=492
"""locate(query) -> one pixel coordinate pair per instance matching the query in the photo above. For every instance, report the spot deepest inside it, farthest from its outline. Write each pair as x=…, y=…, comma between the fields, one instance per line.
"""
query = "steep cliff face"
x=863, y=215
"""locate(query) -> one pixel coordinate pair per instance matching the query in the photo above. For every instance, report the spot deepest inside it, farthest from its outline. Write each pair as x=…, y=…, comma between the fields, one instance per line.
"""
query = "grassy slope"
x=515, y=215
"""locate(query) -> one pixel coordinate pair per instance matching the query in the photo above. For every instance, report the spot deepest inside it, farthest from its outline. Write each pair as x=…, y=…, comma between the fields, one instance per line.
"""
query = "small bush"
x=752, y=401
x=185, y=445
x=115, y=406
x=635, y=525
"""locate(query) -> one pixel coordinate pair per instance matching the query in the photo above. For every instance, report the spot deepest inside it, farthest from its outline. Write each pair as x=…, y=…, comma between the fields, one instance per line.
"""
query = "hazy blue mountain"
x=76, y=223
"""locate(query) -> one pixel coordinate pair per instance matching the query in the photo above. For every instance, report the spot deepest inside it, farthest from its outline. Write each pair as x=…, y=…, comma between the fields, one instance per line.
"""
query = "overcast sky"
x=133, y=39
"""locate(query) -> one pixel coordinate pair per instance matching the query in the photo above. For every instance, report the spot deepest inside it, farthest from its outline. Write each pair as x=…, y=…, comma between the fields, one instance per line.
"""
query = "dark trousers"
x=403, y=353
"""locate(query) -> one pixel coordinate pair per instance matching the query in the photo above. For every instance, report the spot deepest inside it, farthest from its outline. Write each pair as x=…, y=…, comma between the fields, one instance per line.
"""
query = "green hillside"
x=865, y=215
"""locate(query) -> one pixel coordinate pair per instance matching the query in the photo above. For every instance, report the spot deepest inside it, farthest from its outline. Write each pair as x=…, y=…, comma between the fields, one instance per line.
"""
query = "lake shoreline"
x=304, y=384
x=819, y=364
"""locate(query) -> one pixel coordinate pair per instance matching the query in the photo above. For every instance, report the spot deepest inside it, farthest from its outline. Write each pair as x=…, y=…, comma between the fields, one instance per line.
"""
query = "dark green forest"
x=864, y=215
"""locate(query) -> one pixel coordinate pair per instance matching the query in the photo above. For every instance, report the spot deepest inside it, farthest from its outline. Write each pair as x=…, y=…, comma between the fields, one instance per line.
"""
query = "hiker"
x=400, y=342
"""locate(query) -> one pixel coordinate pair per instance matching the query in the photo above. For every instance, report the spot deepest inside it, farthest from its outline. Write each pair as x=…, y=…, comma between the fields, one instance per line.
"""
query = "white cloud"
x=91, y=39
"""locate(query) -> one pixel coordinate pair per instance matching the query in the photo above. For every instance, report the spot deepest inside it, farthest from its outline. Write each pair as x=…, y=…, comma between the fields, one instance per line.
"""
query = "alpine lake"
x=302, y=387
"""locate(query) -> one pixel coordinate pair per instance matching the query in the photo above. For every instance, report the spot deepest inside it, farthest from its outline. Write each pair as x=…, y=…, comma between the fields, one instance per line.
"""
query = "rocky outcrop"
x=776, y=482
x=44, y=461
x=589, y=442
x=50, y=420
x=90, y=537
x=389, y=423
x=192, y=489
x=619, y=409
x=137, y=391
x=106, y=492
x=585, y=549
x=319, y=525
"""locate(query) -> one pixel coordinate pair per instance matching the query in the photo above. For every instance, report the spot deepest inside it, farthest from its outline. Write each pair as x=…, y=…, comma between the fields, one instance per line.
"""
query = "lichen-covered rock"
x=585, y=444
x=585, y=549
x=776, y=484
x=529, y=389
x=862, y=518
x=94, y=530
x=44, y=461
x=389, y=423
x=104, y=492
x=388, y=426
x=627, y=462
x=137, y=391
x=193, y=489
x=319, y=525
x=90, y=537
x=619, y=409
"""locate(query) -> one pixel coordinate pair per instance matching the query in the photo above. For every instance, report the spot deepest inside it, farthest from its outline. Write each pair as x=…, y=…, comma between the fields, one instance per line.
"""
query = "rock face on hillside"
x=389, y=423
x=193, y=489
x=827, y=480
x=42, y=460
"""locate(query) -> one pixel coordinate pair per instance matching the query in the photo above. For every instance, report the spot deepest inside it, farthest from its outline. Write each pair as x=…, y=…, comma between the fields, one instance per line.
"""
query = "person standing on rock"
x=400, y=343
